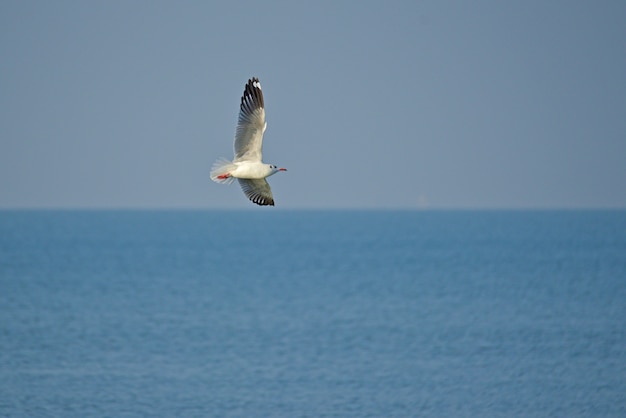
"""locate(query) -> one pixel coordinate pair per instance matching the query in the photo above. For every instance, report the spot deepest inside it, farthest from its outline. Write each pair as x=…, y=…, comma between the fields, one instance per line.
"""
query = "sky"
x=385, y=104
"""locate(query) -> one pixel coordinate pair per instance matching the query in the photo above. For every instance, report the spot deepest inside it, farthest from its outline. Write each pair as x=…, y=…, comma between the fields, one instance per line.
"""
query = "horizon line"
x=338, y=208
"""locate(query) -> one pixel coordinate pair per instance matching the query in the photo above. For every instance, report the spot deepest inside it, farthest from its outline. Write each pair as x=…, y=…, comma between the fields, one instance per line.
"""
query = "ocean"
x=278, y=313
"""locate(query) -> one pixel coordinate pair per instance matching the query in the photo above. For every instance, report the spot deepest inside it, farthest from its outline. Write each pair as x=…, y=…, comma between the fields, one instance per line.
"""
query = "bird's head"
x=276, y=169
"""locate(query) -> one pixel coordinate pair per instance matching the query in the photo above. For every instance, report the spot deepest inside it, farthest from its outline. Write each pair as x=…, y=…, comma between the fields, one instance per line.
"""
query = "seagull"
x=247, y=166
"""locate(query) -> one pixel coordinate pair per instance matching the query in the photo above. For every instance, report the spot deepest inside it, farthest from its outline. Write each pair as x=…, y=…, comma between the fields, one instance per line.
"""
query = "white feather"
x=220, y=167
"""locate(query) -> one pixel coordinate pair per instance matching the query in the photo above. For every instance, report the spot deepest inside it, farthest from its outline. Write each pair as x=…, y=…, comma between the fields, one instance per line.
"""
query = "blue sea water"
x=313, y=313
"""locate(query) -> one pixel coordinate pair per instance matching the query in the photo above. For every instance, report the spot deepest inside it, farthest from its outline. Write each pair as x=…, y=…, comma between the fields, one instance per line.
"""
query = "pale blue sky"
x=441, y=104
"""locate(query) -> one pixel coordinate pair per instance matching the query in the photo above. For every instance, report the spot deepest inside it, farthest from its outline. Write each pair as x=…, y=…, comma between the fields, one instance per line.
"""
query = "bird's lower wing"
x=258, y=191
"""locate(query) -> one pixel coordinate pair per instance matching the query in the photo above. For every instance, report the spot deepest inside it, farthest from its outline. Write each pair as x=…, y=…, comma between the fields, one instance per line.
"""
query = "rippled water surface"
x=312, y=314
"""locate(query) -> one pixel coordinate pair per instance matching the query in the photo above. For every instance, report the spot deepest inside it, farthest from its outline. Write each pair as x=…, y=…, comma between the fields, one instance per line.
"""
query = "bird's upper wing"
x=258, y=191
x=251, y=124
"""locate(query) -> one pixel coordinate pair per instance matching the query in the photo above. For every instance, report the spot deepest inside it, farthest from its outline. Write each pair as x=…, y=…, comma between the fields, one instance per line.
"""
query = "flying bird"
x=247, y=166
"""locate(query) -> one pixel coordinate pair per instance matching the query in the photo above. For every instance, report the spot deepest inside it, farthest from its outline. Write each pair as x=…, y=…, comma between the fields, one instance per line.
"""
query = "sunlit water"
x=312, y=314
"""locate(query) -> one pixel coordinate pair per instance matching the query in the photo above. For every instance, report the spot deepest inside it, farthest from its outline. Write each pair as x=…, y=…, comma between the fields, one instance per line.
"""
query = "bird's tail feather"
x=220, y=170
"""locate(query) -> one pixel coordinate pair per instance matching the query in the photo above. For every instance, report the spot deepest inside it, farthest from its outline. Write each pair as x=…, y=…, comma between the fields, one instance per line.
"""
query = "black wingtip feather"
x=252, y=95
x=261, y=201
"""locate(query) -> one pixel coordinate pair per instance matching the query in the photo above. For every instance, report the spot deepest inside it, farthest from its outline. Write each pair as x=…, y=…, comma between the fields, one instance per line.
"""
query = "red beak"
x=282, y=169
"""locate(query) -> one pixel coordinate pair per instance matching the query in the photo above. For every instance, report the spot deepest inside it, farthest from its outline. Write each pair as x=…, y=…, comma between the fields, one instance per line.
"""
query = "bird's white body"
x=248, y=166
x=253, y=170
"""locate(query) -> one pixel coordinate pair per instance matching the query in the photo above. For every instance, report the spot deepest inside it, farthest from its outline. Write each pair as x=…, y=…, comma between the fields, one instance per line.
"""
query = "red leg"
x=223, y=176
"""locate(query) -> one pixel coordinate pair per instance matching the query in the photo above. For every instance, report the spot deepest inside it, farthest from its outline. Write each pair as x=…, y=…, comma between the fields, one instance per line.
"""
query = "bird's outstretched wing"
x=251, y=124
x=258, y=191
